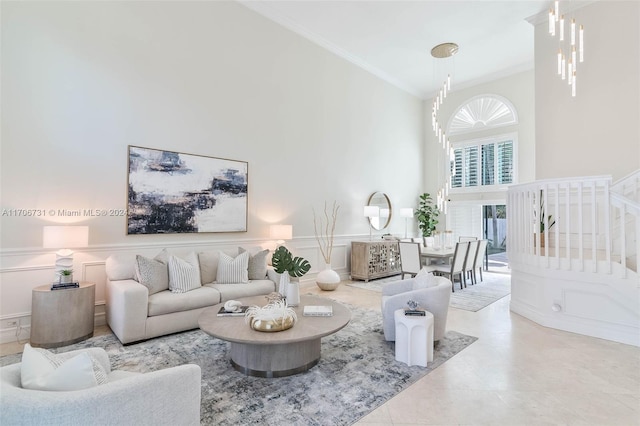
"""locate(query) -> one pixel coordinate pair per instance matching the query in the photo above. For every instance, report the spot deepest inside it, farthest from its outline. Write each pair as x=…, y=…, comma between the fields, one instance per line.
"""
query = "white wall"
x=598, y=131
x=83, y=80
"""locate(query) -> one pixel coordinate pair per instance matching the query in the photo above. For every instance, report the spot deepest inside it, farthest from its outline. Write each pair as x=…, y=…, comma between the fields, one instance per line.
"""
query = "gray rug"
x=494, y=287
x=357, y=372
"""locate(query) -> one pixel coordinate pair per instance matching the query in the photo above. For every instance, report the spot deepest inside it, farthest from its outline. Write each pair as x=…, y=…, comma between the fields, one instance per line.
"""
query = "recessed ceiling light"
x=444, y=50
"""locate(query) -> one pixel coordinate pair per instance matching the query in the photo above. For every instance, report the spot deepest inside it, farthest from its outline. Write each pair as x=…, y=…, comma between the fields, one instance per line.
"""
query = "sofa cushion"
x=232, y=270
x=238, y=290
x=184, y=274
x=166, y=302
x=152, y=274
x=44, y=370
x=257, y=269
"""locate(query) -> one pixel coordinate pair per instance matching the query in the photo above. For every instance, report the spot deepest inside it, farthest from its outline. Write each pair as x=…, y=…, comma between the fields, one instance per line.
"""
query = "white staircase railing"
x=578, y=224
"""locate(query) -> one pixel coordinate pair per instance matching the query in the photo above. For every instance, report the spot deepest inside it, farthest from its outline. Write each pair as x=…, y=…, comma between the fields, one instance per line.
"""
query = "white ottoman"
x=414, y=338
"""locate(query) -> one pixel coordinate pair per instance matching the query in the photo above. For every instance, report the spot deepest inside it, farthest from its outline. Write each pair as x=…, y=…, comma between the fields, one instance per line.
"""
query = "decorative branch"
x=325, y=230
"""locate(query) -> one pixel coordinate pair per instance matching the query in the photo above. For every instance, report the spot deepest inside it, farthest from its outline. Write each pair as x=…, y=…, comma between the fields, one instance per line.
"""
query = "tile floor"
x=517, y=373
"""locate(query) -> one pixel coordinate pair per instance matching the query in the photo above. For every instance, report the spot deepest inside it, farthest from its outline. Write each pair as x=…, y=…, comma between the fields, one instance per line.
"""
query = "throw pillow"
x=208, y=266
x=152, y=274
x=44, y=370
x=184, y=274
x=257, y=264
x=424, y=279
x=231, y=271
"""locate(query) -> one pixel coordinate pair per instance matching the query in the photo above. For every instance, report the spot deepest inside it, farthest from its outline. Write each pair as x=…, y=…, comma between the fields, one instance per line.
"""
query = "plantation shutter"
x=471, y=166
x=488, y=160
x=505, y=162
x=456, y=169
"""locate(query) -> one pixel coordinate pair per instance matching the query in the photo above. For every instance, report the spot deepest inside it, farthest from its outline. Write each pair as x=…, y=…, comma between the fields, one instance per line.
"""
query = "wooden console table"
x=62, y=317
x=374, y=259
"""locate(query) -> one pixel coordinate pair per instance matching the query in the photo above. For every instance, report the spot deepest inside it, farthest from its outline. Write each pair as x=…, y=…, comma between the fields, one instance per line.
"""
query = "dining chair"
x=479, y=260
x=455, y=268
x=410, y=258
x=470, y=260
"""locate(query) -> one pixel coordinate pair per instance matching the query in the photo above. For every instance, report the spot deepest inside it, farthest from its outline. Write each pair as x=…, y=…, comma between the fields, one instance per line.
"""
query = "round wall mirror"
x=381, y=201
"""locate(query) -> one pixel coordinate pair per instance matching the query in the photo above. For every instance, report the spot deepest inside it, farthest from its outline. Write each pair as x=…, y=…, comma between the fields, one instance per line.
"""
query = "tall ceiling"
x=393, y=39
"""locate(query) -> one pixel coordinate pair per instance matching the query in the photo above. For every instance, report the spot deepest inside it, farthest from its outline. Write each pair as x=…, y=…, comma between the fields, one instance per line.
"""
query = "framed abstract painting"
x=172, y=192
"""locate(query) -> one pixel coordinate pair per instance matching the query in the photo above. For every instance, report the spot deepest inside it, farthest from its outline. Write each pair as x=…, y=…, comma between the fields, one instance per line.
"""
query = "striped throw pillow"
x=232, y=271
x=184, y=274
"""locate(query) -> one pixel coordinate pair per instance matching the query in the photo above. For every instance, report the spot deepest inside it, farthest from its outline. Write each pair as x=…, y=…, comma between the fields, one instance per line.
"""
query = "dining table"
x=437, y=253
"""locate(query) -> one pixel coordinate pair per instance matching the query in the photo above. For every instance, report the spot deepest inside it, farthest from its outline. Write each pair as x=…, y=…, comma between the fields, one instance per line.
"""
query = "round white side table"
x=414, y=338
x=62, y=317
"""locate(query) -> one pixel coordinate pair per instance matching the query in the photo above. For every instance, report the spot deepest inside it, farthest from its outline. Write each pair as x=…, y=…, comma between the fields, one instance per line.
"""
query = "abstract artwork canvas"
x=172, y=192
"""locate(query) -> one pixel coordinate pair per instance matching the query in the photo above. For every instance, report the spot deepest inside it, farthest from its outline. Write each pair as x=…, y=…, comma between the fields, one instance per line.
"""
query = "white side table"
x=414, y=338
x=62, y=317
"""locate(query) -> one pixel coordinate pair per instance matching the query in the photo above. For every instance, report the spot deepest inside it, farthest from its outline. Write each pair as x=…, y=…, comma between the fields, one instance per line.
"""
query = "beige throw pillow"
x=152, y=274
x=257, y=268
x=184, y=274
x=232, y=271
x=44, y=370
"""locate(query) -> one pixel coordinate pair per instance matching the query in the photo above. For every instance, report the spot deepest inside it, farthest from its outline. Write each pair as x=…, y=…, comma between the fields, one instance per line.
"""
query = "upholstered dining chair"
x=470, y=260
x=410, y=258
x=479, y=260
x=455, y=268
x=463, y=239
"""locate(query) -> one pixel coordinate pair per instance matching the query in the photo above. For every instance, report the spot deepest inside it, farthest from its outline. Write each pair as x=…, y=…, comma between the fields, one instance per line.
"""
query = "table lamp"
x=371, y=212
x=64, y=238
x=281, y=233
x=406, y=213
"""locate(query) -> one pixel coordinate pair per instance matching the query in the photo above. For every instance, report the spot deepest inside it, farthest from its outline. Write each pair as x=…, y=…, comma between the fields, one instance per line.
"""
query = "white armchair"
x=164, y=397
x=395, y=295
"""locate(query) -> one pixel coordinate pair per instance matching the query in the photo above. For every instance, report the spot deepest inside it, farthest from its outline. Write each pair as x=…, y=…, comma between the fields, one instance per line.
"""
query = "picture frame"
x=173, y=192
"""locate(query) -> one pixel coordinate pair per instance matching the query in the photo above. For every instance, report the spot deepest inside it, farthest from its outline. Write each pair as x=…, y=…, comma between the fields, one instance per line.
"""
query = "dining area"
x=461, y=261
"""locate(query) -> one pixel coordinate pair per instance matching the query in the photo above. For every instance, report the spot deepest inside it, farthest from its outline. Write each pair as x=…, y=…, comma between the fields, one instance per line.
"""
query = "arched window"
x=483, y=163
x=482, y=112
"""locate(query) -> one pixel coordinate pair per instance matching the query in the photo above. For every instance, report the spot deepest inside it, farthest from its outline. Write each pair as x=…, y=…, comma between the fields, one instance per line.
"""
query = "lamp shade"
x=371, y=211
x=65, y=236
x=281, y=232
x=406, y=212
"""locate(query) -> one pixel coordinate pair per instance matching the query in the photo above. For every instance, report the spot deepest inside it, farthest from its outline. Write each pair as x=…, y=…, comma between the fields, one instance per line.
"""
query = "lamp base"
x=64, y=261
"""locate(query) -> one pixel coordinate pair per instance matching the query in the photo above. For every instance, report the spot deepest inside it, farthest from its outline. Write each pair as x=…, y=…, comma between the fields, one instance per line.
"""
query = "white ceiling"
x=393, y=39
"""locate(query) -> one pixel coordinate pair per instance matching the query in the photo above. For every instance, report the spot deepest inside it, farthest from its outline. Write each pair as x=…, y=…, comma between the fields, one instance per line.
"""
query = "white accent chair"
x=395, y=295
x=164, y=397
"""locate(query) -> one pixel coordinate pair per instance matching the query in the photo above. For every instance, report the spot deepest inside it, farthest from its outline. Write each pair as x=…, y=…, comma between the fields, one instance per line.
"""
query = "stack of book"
x=414, y=312
x=60, y=286
x=318, y=311
x=239, y=313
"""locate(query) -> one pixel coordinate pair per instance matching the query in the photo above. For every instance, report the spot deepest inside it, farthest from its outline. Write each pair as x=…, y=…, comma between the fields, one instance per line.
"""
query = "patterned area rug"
x=357, y=372
x=473, y=298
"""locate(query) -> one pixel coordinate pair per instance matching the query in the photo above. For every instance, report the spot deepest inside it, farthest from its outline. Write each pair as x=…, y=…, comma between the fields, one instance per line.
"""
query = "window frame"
x=479, y=142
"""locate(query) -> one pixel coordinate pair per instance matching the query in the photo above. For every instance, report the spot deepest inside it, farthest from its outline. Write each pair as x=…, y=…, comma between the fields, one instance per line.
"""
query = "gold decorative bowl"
x=278, y=324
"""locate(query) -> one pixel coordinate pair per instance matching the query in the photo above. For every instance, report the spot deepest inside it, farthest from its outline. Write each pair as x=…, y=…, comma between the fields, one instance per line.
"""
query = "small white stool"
x=414, y=338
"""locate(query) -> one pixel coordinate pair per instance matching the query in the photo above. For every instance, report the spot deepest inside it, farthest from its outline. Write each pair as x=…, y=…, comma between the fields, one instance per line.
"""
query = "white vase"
x=284, y=284
x=293, y=293
x=328, y=279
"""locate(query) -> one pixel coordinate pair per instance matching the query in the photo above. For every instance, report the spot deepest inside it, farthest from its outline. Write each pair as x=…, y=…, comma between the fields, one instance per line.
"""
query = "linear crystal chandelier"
x=570, y=49
x=444, y=50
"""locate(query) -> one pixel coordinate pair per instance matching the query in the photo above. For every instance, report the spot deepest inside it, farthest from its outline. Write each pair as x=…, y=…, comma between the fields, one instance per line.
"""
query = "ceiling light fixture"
x=569, y=52
x=443, y=51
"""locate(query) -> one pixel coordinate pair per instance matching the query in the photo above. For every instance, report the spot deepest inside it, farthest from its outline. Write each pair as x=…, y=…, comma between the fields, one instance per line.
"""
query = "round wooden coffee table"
x=275, y=354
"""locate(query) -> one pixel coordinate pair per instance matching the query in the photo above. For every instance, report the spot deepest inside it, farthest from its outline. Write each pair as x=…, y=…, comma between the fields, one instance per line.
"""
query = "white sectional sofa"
x=138, y=310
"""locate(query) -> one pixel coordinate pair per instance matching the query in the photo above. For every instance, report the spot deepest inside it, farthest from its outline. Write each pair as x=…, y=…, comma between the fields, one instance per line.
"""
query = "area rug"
x=357, y=372
x=492, y=288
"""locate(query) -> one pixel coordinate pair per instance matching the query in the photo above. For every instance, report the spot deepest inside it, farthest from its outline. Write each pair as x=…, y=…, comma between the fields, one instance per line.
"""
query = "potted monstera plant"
x=285, y=264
